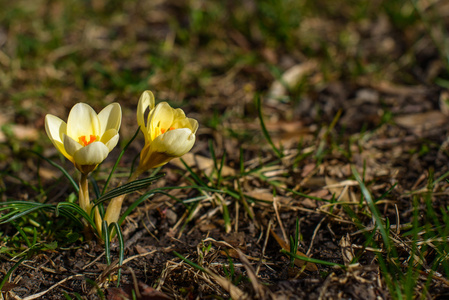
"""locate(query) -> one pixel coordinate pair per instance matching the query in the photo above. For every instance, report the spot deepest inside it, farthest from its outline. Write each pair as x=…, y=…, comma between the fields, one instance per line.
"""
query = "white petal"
x=193, y=124
x=108, y=135
x=175, y=142
x=112, y=142
x=70, y=145
x=110, y=118
x=82, y=121
x=92, y=154
x=55, y=127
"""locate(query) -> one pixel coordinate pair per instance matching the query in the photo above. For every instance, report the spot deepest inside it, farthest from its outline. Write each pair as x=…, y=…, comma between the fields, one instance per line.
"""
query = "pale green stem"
x=84, y=194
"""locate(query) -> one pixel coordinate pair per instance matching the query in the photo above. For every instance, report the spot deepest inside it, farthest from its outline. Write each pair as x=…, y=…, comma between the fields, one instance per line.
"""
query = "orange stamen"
x=82, y=140
x=163, y=130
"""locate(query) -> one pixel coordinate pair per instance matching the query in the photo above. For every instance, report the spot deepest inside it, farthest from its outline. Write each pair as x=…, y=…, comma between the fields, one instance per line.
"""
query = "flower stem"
x=84, y=194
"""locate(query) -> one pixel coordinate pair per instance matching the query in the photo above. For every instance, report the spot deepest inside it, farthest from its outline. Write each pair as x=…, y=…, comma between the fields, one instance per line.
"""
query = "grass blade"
x=194, y=175
x=17, y=215
x=121, y=248
x=66, y=174
x=118, y=161
x=128, y=188
x=189, y=262
x=105, y=235
x=264, y=128
x=312, y=260
x=77, y=209
x=134, y=205
x=373, y=208
x=6, y=277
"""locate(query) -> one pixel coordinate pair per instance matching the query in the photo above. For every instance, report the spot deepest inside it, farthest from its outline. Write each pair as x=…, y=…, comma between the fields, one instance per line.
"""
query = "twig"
x=284, y=234
x=38, y=295
x=314, y=235
x=264, y=247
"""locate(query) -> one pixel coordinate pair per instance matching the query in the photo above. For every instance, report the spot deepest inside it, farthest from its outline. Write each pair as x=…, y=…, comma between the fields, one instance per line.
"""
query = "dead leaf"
x=324, y=194
x=149, y=293
x=390, y=88
x=289, y=79
x=140, y=249
x=307, y=169
x=420, y=122
x=205, y=227
x=265, y=195
x=8, y=286
x=46, y=173
x=117, y=294
x=340, y=188
x=236, y=239
x=230, y=253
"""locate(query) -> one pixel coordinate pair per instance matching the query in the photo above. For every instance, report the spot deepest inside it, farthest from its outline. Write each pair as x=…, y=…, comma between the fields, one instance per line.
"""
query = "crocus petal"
x=92, y=154
x=168, y=133
x=110, y=118
x=178, y=114
x=112, y=142
x=70, y=145
x=108, y=135
x=55, y=127
x=161, y=118
x=82, y=121
x=152, y=160
x=174, y=143
x=87, y=138
x=166, y=147
x=146, y=101
x=193, y=124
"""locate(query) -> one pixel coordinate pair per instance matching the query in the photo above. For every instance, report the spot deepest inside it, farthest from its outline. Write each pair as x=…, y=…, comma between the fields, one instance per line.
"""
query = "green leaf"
x=66, y=174
x=128, y=188
x=191, y=263
x=264, y=128
x=118, y=161
x=373, y=208
x=313, y=260
x=6, y=277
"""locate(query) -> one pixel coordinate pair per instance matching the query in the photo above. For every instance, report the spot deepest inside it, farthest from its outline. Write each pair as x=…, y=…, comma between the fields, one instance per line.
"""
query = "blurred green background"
x=209, y=57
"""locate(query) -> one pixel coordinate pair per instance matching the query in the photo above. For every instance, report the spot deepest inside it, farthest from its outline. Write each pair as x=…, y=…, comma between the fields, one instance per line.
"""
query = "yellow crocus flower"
x=168, y=132
x=87, y=138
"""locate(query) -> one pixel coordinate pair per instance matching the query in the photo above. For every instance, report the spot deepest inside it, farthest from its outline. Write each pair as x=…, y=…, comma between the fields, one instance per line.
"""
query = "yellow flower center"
x=83, y=141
